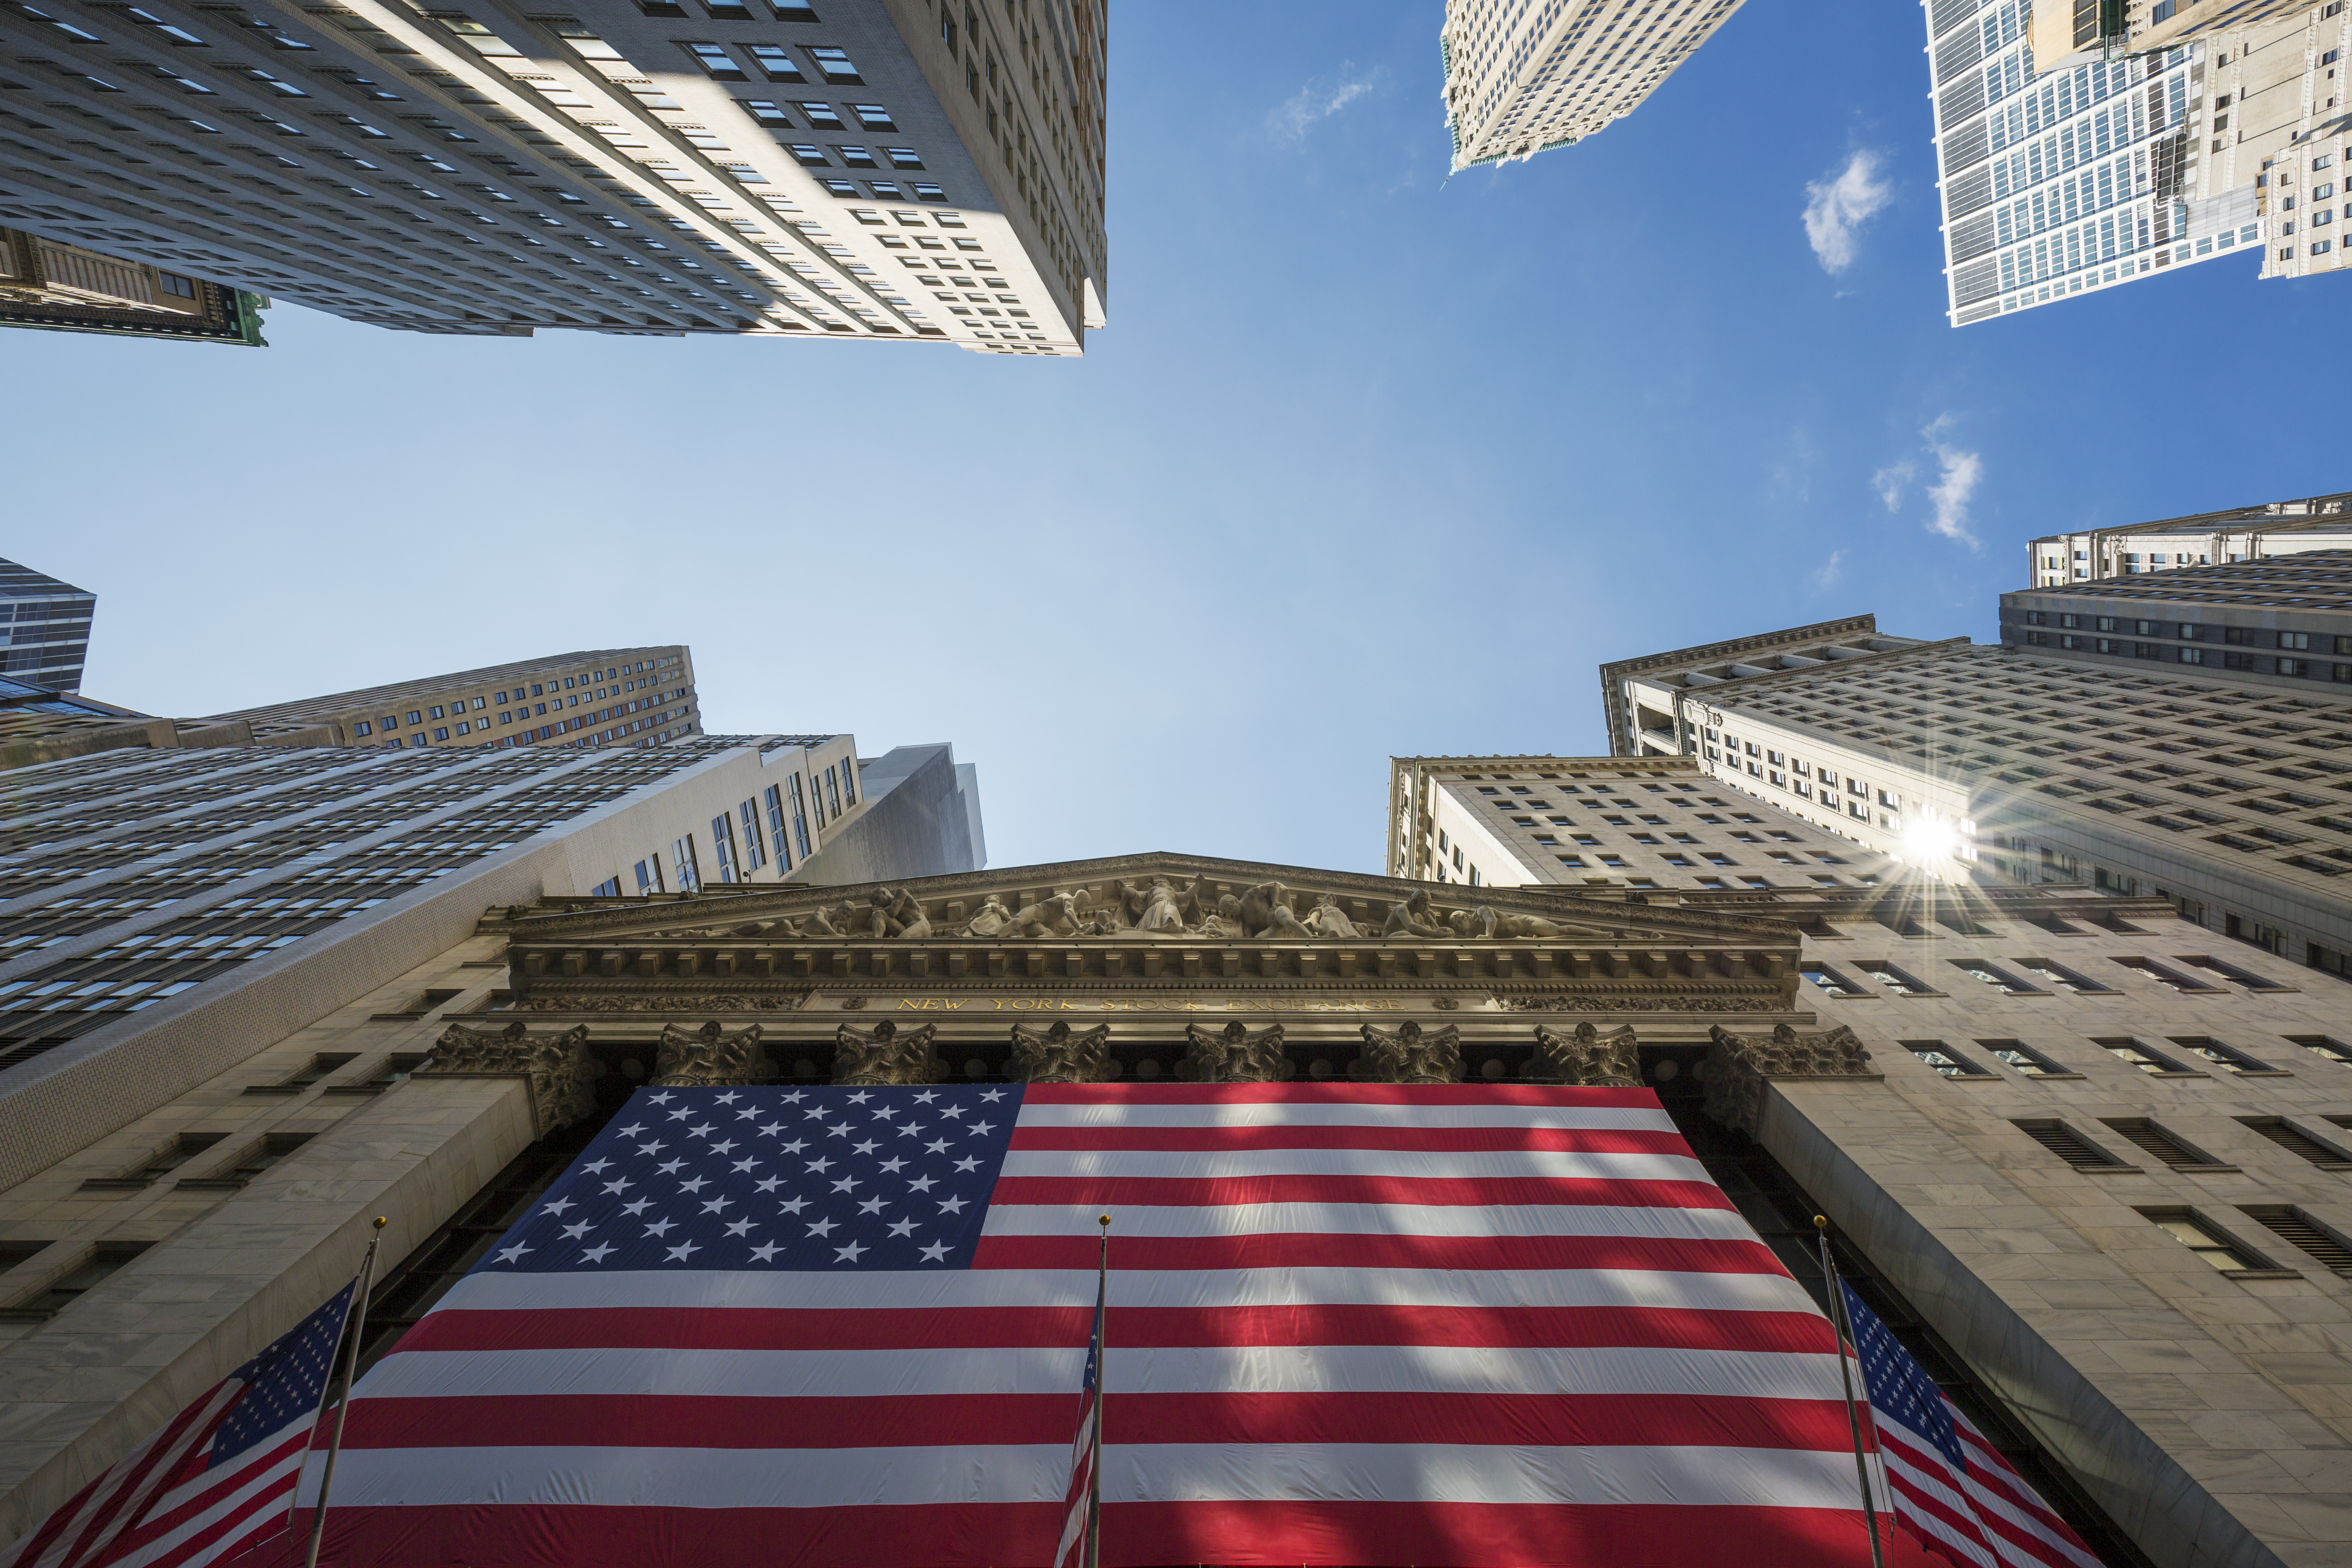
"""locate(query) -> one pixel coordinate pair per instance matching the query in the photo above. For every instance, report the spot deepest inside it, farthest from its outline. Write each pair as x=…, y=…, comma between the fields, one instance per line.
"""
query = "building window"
x=821, y=117
x=799, y=817
x=689, y=870
x=832, y=793
x=1946, y=1061
x=721, y=66
x=649, y=875
x=873, y=117
x=755, y=853
x=775, y=798
x=775, y=63
x=837, y=66
x=2024, y=1059
x=2125, y=1048
x=2206, y=1240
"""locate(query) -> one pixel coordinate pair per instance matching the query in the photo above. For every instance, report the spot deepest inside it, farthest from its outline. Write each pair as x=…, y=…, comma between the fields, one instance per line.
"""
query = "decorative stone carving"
x=657, y=1002
x=1586, y=1057
x=692, y=1059
x=993, y=917
x=1412, y=917
x=1328, y=920
x=1232, y=1055
x=885, y=1056
x=1058, y=1054
x=897, y=914
x=1156, y=907
x=1485, y=923
x=1634, y=1001
x=556, y=1066
x=1411, y=1055
x=1738, y=1067
x=1268, y=910
x=1063, y=914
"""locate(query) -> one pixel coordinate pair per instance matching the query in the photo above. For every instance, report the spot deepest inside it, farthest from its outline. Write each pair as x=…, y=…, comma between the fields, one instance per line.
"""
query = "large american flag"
x=1348, y=1324
x=1963, y=1500
x=216, y=1479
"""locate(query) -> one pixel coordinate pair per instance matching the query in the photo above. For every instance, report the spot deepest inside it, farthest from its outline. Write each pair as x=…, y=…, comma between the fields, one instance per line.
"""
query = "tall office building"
x=2282, y=624
x=2203, y=539
x=48, y=284
x=906, y=168
x=604, y=696
x=1521, y=80
x=2024, y=762
x=2073, y=161
x=44, y=627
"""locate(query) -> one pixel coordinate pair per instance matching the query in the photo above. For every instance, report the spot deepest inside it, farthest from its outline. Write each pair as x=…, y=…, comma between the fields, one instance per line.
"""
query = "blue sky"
x=1367, y=463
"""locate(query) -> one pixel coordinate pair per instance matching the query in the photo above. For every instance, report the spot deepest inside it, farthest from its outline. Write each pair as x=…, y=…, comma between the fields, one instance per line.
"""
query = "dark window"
x=2068, y=1144
x=2205, y=1241
x=271, y=1149
x=2151, y=1138
x=161, y=1163
x=2296, y=1141
x=67, y=1288
x=1946, y=1061
x=2307, y=1234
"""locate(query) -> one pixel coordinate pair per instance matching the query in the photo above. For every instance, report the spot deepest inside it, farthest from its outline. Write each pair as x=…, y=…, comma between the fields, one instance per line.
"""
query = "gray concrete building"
x=603, y=697
x=2283, y=624
x=912, y=171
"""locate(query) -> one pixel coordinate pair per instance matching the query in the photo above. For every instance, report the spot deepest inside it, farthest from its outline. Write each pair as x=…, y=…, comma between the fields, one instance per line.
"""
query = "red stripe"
x=1315, y=1135
x=1337, y=1251
x=1199, y=1192
x=656, y=1421
x=1132, y=1328
x=220, y=1483
x=1409, y=1094
x=1135, y=1535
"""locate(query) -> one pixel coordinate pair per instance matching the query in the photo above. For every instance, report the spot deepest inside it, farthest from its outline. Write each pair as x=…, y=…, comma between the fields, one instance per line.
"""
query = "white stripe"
x=279, y=1476
x=840, y=1477
x=2002, y=1490
x=1346, y=1113
x=1407, y=1165
x=206, y=1480
x=1370, y=1219
x=949, y=1289
x=135, y=1476
x=1202, y=1369
x=1936, y=1484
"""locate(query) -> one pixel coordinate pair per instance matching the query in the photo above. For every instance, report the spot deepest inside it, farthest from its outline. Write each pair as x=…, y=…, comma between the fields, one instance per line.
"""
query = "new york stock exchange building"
x=1445, y=1224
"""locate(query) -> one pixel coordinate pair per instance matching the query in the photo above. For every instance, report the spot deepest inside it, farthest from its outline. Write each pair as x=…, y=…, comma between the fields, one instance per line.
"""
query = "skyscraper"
x=2202, y=539
x=884, y=170
x=2075, y=159
x=1521, y=79
x=63, y=288
x=44, y=627
x=2006, y=763
x=635, y=697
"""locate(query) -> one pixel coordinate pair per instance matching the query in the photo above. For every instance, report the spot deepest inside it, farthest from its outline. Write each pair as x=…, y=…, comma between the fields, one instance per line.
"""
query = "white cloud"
x=1953, y=488
x=1831, y=570
x=1889, y=482
x=1319, y=101
x=1837, y=207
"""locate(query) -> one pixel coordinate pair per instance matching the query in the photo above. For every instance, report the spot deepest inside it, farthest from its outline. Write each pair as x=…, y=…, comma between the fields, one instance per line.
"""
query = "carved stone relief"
x=1411, y=1055
x=1586, y=1057
x=1058, y=1054
x=556, y=1066
x=1232, y=1055
x=709, y=1055
x=1740, y=1066
x=885, y=1055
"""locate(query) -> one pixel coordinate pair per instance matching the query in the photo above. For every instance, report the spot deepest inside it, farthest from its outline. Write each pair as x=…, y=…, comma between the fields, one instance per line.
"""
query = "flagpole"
x=348, y=1347
x=1102, y=1391
x=1841, y=1329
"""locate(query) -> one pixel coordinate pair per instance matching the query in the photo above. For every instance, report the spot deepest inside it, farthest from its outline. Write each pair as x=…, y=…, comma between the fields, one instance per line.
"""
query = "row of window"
x=2194, y=631
x=2154, y=1061
x=781, y=810
x=2053, y=977
x=2229, y=658
x=456, y=706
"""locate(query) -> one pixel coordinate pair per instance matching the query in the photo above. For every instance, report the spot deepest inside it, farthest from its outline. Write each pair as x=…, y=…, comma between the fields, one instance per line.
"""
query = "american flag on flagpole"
x=217, y=1479
x=1950, y=1489
x=1358, y=1324
x=1086, y=1447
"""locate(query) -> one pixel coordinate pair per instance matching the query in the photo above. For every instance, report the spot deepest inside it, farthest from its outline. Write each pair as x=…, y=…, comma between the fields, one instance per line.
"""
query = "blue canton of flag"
x=286, y=1380
x=812, y=1179
x=1900, y=1385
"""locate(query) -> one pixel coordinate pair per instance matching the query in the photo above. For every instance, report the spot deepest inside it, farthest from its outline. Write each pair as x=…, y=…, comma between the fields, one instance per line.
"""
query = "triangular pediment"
x=1152, y=897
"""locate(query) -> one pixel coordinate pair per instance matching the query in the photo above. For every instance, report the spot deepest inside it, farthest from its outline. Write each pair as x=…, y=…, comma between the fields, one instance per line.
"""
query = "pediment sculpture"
x=556, y=1067
x=1586, y=1057
x=1411, y=1054
x=709, y=1056
x=887, y=1055
x=1740, y=1066
x=1058, y=1054
x=1234, y=1054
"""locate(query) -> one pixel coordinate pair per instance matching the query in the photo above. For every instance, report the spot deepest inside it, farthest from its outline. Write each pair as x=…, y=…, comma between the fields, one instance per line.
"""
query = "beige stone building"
x=2203, y=539
x=2103, y=1207
x=910, y=169
x=1521, y=80
x=49, y=284
x=2104, y=1167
